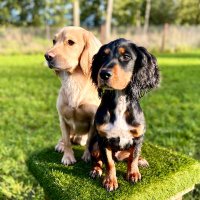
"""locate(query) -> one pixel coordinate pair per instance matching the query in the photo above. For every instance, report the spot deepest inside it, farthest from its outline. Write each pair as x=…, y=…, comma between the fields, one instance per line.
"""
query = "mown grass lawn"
x=29, y=122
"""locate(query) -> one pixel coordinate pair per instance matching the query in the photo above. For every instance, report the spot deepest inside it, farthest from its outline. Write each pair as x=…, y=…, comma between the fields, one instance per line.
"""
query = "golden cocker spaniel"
x=71, y=58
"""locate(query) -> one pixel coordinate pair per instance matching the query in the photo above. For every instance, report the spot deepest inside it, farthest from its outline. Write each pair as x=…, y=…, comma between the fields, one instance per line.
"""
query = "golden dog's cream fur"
x=71, y=58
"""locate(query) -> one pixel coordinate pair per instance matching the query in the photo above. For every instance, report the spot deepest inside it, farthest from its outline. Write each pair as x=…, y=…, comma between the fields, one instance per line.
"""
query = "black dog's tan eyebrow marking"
x=121, y=50
x=107, y=51
x=137, y=131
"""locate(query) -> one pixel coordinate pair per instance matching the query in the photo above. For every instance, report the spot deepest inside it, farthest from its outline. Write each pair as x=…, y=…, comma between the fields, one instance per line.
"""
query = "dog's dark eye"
x=54, y=42
x=70, y=42
x=125, y=57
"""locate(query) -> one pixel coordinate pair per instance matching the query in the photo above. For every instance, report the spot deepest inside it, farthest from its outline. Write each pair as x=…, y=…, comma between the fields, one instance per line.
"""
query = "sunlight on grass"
x=29, y=119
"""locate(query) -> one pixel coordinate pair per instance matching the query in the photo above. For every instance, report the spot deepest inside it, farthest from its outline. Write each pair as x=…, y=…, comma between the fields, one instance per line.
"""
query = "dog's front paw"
x=142, y=162
x=110, y=183
x=96, y=172
x=86, y=156
x=133, y=177
x=60, y=146
x=68, y=159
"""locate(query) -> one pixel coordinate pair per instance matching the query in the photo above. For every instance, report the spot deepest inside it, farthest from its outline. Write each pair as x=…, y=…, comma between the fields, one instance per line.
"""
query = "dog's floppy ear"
x=95, y=68
x=146, y=74
x=96, y=65
x=92, y=45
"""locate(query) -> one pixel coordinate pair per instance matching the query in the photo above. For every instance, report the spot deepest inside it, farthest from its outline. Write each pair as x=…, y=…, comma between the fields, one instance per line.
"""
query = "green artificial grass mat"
x=168, y=174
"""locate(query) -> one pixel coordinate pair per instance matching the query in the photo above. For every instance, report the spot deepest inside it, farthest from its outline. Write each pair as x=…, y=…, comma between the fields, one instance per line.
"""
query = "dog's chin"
x=105, y=86
x=53, y=66
x=50, y=65
x=60, y=68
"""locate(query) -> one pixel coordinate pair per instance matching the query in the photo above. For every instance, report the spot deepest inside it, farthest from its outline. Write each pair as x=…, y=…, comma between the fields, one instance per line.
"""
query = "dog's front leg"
x=61, y=108
x=87, y=111
x=133, y=173
x=60, y=146
x=96, y=161
x=68, y=157
x=110, y=180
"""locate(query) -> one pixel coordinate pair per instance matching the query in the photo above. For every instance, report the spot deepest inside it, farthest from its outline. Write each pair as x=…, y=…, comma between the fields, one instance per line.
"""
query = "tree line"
x=93, y=13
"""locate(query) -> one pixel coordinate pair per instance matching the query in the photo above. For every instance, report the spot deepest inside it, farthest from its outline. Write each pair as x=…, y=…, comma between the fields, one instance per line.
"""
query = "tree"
x=147, y=15
x=163, y=11
x=127, y=12
x=7, y=8
x=92, y=12
x=189, y=12
x=34, y=12
x=108, y=20
x=76, y=13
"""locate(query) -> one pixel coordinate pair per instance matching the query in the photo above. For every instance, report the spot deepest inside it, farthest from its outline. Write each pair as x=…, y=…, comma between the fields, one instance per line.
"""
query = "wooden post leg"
x=179, y=196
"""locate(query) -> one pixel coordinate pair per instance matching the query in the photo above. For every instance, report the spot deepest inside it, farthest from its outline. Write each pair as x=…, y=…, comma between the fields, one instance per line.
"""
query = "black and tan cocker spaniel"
x=123, y=72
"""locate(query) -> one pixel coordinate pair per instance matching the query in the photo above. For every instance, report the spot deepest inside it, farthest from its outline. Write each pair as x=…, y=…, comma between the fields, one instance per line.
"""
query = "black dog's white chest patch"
x=119, y=132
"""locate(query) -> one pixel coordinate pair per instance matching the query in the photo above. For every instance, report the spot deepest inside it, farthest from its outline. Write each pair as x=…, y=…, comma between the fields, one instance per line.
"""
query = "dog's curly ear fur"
x=96, y=65
x=95, y=68
x=146, y=74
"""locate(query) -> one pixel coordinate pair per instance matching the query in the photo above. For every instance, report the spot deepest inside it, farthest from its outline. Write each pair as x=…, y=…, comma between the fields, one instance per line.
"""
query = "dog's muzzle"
x=49, y=58
x=105, y=74
x=103, y=80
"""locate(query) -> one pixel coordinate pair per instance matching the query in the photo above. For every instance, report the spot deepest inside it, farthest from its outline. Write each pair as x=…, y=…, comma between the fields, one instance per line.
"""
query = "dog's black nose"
x=105, y=75
x=49, y=57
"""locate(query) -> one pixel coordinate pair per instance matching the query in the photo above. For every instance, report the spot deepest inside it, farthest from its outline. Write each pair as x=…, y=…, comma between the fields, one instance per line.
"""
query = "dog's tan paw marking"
x=79, y=139
x=110, y=183
x=96, y=172
x=86, y=156
x=68, y=159
x=143, y=162
x=83, y=140
x=60, y=147
x=134, y=177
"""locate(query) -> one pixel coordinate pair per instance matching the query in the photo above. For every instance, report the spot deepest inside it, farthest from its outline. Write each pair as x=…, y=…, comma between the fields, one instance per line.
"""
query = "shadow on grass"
x=58, y=179
x=52, y=159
